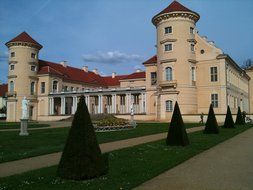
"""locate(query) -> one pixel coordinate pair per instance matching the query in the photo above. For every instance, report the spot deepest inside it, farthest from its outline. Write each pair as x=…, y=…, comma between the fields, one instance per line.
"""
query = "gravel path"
x=20, y=166
x=227, y=166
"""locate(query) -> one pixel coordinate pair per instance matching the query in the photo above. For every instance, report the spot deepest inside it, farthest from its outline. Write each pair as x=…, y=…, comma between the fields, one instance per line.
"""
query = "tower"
x=176, y=60
x=22, y=75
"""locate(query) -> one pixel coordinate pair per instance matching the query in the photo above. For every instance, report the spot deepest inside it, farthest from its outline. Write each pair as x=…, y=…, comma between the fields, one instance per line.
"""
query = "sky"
x=117, y=35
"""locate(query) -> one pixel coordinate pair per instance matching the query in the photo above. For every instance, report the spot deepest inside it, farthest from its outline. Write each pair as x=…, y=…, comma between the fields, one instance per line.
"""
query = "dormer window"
x=168, y=30
x=12, y=54
x=33, y=55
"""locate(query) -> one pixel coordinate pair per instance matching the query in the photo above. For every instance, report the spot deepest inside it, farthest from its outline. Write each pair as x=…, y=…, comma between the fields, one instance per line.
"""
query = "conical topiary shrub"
x=81, y=158
x=211, y=126
x=229, y=122
x=177, y=134
x=239, y=118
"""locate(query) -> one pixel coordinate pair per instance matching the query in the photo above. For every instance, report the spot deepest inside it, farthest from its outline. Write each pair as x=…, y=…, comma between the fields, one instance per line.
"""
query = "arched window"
x=169, y=106
x=168, y=73
x=11, y=86
x=55, y=86
x=32, y=88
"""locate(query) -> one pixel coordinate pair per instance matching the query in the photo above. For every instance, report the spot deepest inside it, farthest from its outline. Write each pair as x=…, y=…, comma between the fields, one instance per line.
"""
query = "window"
x=33, y=55
x=11, y=86
x=168, y=74
x=214, y=74
x=72, y=88
x=33, y=68
x=192, y=47
x=12, y=54
x=193, y=74
x=32, y=88
x=12, y=67
x=214, y=100
x=169, y=106
x=55, y=86
x=202, y=51
x=168, y=47
x=43, y=86
x=168, y=30
x=191, y=30
x=153, y=78
x=77, y=89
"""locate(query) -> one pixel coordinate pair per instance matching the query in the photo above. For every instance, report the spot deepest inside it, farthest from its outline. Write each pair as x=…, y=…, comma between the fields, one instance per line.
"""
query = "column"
x=141, y=108
x=114, y=103
x=87, y=101
x=102, y=105
x=63, y=104
x=143, y=102
x=74, y=106
x=50, y=106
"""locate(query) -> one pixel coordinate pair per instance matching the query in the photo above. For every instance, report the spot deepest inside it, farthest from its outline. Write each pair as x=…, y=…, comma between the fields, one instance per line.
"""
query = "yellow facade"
x=188, y=68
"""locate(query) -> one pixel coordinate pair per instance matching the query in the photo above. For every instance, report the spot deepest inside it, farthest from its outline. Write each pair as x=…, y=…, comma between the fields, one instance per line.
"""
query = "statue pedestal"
x=23, y=127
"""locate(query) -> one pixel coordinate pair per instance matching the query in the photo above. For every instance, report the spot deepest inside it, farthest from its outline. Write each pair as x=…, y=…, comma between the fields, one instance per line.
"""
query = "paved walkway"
x=20, y=166
x=53, y=125
x=227, y=166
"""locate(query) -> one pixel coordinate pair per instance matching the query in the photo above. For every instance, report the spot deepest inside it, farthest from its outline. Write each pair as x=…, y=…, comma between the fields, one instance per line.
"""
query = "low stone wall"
x=137, y=117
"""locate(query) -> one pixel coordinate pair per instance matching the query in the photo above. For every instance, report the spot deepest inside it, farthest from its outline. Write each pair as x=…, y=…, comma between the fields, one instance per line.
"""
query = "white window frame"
x=57, y=86
x=213, y=74
x=35, y=68
x=12, y=65
x=12, y=86
x=167, y=44
x=191, y=30
x=32, y=88
x=153, y=80
x=215, y=100
x=13, y=54
x=192, y=47
x=168, y=74
x=165, y=29
x=169, y=106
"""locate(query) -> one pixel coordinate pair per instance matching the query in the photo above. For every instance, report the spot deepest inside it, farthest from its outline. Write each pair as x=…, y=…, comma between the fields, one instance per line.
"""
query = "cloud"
x=111, y=57
x=3, y=56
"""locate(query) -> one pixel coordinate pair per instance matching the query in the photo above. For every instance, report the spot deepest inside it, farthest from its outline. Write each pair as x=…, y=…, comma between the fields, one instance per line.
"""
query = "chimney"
x=205, y=38
x=85, y=68
x=138, y=70
x=64, y=63
x=95, y=71
x=113, y=75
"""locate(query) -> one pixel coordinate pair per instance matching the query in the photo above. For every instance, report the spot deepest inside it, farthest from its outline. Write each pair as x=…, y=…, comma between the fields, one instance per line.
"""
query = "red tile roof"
x=3, y=89
x=174, y=7
x=78, y=75
x=24, y=37
x=136, y=75
x=113, y=81
x=151, y=60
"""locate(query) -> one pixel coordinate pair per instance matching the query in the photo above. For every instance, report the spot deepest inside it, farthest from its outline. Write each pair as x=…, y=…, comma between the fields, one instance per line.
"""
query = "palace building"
x=187, y=68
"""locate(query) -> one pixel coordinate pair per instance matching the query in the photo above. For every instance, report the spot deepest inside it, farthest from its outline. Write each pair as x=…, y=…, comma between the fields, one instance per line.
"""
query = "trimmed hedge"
x=81, y=158
x=211, y=126
x=177, y=135
x=229, y=122
x=240, y=120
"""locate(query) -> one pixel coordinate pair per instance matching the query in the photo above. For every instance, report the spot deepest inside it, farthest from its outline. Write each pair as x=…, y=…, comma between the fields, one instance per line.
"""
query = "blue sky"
x=117, y=35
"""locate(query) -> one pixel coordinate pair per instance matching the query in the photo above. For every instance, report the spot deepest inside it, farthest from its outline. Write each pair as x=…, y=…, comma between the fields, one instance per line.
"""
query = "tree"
x=211, y=126
x=229, y=123
x=177, y=135
x=81, y=158
x=239, y=118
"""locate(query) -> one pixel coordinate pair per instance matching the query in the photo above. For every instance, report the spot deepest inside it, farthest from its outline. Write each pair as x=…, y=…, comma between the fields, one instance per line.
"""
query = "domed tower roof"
x=24, y=37
x=175, y=7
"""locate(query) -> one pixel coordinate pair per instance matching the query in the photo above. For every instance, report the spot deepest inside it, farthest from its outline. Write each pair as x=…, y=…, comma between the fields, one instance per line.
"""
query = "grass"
x=16, y=125
x=128, y=167
x=45, y=141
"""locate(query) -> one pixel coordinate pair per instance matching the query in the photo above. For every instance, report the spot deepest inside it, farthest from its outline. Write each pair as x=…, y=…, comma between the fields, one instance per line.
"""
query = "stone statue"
x=133, y=123
x=132, y=109
x=25, y=103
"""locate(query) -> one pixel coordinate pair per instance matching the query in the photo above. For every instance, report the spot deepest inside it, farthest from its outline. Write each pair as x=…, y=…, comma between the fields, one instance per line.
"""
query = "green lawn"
x=16, y=125
x=128, y=167
x=44, y=141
